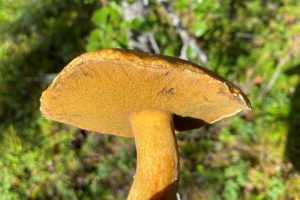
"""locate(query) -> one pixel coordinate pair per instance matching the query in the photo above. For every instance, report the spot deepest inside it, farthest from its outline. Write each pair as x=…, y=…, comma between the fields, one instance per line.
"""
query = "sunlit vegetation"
x=255, y=44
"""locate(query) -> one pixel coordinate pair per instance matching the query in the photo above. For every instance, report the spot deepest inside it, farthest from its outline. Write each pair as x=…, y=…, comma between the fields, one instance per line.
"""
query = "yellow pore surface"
x=98, y=91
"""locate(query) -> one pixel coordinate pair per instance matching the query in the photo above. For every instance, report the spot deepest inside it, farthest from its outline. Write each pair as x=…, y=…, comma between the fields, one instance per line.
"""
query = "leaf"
x=200, y=28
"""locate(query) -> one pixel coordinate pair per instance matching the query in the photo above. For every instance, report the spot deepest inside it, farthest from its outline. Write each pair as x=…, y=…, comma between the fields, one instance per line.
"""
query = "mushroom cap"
x=98, y=91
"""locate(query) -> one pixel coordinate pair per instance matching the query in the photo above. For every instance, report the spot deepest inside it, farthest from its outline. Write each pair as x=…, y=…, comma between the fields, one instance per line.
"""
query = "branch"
x=139, y=40
x=187, y=40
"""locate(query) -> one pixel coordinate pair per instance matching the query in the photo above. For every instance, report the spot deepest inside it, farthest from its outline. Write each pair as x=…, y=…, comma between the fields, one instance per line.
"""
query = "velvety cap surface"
x=99, y=90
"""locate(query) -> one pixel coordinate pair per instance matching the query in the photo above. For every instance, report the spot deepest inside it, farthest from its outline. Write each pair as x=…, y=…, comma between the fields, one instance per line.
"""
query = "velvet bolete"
x=136, y=94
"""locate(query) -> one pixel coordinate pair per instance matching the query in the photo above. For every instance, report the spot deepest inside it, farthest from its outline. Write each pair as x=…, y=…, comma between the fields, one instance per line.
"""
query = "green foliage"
x=30, y=29
x=251, y=156
x=28, y=170
x=108, y=20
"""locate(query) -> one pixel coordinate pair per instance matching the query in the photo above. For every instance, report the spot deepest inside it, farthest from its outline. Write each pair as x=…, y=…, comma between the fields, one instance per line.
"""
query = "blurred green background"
x=255, y=44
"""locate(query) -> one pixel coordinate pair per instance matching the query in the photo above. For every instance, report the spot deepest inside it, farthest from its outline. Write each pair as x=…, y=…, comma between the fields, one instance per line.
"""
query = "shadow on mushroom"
x=187, y=123
x=170, y=189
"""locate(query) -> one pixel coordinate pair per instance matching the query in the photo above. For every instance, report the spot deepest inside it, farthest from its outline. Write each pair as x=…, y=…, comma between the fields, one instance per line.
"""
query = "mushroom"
x=136, y=94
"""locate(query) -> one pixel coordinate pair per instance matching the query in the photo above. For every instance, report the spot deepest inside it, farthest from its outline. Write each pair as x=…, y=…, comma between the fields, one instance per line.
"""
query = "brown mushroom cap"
x=99, y=90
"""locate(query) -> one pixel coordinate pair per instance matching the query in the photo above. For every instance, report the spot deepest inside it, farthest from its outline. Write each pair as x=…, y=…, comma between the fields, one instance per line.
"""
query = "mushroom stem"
x=157, y=167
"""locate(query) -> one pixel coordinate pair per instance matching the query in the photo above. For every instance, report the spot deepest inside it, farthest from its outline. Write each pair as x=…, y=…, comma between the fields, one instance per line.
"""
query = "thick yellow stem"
x=156, y=176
